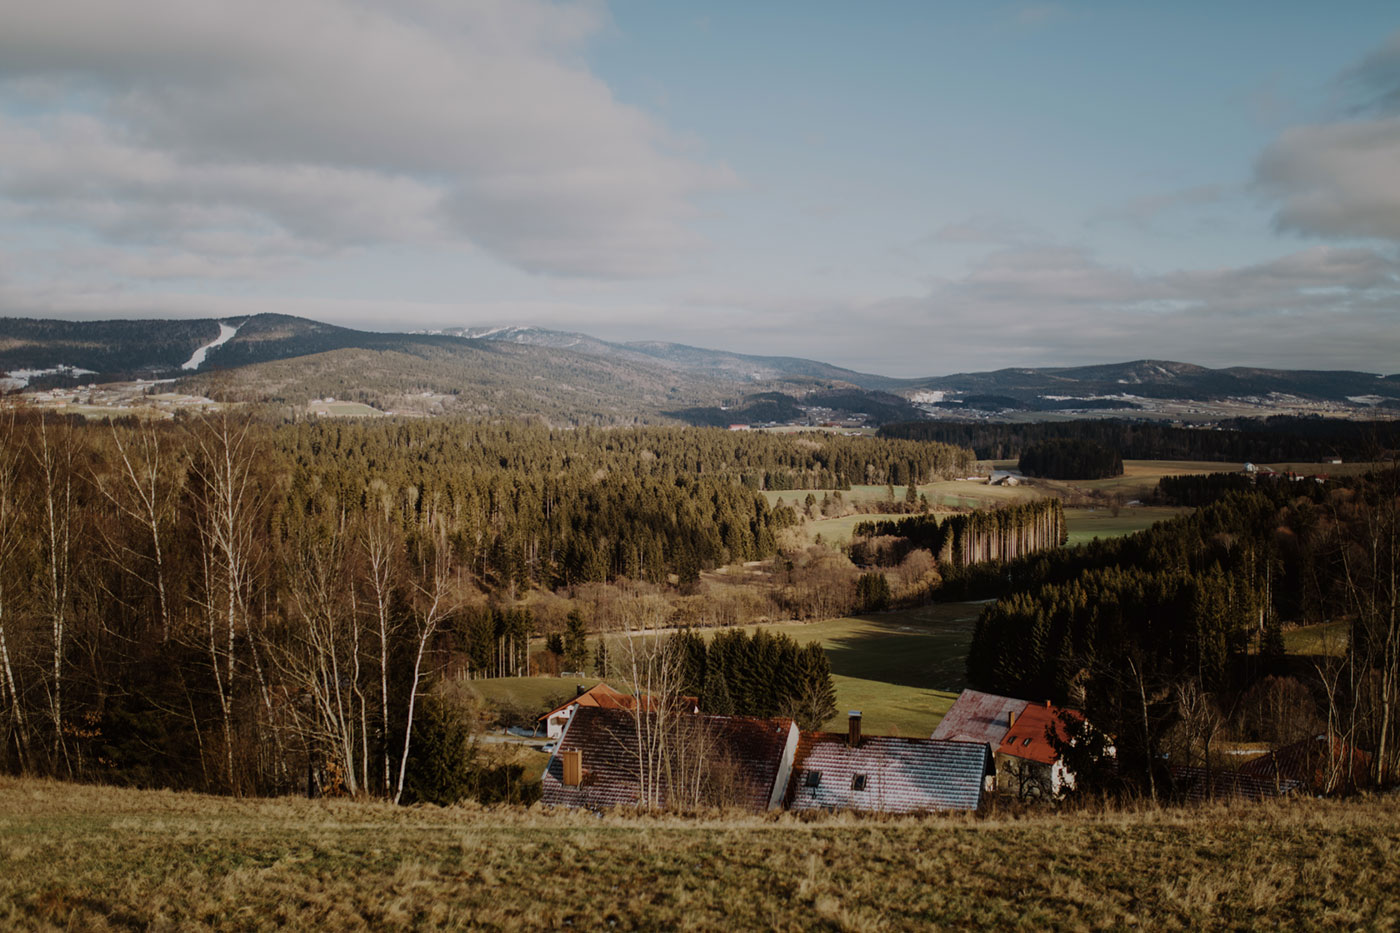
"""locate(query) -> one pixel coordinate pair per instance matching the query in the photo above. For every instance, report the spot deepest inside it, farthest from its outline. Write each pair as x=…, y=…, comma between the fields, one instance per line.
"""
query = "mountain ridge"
x=656, y=377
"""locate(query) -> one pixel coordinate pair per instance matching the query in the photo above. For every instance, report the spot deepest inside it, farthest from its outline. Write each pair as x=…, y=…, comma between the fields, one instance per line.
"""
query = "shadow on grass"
x=926, y=650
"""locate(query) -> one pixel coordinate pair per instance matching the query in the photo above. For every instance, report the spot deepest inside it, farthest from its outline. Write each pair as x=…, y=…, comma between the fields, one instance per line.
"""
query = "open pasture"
x=901, y=669
x=82, y=857
x=1086, y=524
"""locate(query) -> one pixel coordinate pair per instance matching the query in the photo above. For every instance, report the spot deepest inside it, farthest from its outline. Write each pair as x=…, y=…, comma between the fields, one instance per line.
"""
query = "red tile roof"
x=1028, y=736
x=602, y=696
x=900, y=775
x=731, y=760
x=979, y=717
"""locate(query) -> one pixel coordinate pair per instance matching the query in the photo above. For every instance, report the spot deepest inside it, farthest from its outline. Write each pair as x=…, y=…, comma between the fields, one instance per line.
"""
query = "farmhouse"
x=616, y=758
x=1027, y=765
x=600, y=696
x=886, y=774
x=1015, y=733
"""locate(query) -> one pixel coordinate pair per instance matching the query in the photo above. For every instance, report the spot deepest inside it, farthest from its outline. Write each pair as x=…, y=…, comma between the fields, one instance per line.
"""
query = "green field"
x=1086, y=524
x=77, y=857
x=901, y=669
x=345, y=410
x=1325, y=638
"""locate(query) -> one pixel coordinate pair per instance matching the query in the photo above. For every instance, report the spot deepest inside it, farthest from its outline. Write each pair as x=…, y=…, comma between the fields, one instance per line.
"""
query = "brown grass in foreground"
x=81, y=857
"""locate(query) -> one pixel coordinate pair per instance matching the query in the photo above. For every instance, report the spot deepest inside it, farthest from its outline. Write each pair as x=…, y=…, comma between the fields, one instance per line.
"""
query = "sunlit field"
x=79, y=857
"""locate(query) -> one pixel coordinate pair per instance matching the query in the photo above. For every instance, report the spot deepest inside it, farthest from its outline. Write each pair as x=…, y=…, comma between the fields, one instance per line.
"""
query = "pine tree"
x=715, y=698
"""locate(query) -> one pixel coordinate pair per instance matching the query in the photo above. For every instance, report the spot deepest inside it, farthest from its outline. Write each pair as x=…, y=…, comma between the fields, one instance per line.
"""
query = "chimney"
x=573, y=767
x=1047, y=704
x=853, y=729
x=1010, y=719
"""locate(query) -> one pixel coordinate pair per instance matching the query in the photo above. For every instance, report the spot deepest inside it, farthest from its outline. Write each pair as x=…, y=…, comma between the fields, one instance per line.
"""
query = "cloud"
x=1051, y=305
x=984, y=228
x=1339, y=179
x=340, y=122
x=1143, y=211
x=1375, y=82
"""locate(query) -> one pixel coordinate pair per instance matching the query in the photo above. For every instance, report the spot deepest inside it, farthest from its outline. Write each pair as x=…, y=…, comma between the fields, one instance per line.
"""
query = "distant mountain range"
x=511, y=371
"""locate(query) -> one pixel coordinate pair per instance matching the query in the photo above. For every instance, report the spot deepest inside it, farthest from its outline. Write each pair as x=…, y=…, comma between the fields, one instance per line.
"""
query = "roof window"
x=814, y=779
x=1026, y=741
x=858, y=782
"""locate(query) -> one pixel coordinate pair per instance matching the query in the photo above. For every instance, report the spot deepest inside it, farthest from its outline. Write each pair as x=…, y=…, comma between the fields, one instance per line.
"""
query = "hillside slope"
x=1161, y=379
x=85, y=857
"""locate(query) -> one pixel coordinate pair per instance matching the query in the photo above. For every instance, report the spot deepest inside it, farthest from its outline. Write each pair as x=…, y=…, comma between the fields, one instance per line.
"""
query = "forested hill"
x=1160, y=379
x=1271, y=440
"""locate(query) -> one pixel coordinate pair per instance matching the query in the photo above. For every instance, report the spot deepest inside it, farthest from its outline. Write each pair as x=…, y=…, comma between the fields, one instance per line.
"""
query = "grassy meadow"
x=1086, y=524
x=79, y=857
x=901, y=669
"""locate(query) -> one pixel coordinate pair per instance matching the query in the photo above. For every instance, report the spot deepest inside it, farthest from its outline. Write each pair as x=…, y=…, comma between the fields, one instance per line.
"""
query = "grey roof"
x=901, y=775
x=1197, y=784
x=979, y=717
x=730, y=760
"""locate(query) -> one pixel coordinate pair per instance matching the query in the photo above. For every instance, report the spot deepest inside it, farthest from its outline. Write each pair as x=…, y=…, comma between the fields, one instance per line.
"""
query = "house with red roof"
x=601, y=696
x=1016, y=733
x=1027, y=764
x=886, y=774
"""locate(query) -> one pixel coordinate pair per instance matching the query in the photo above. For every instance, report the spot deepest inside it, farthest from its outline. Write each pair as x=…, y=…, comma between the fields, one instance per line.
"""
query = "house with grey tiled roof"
x=886, y=774
x=671, y=759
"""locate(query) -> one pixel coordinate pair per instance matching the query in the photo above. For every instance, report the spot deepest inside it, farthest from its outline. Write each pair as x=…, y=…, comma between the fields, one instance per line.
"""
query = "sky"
x=910, y=189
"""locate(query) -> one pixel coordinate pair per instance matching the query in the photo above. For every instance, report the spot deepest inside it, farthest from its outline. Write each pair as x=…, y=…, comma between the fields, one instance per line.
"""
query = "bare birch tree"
x=10, y=538
x=380, y=553
x=226, y=506
x=144, y=493
x=54, y=458
x=435, y=598
x=320, y=658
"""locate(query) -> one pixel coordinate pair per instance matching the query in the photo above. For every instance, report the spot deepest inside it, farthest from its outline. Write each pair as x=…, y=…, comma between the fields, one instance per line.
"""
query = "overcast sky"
x=905, y=188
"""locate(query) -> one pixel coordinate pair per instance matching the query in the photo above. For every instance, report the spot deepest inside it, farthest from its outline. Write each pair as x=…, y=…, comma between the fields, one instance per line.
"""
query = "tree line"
x=1070, y=458
x=756, y=674
x=1194, y=608
x=1271, y=440
x=227, y=604
x=968, y=538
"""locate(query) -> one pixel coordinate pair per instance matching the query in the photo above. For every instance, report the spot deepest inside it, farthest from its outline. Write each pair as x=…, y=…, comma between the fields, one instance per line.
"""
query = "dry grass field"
x=89, y=858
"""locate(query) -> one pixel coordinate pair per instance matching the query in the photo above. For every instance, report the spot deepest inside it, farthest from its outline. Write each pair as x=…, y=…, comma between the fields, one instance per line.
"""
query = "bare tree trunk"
x=55, y=464
x=9, y=545
x=226, y=509
x=1146, y=728
x=145, y=473
x=436, y=602
x=379, y=551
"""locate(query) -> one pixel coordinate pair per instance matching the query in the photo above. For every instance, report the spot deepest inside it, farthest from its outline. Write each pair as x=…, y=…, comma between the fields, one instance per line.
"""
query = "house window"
x=858, y=782
x=814, y=779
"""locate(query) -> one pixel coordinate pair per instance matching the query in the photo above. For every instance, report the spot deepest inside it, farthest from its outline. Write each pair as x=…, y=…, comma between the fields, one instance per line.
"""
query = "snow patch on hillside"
x=226, y=333
x=19, y=378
